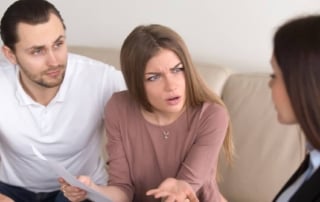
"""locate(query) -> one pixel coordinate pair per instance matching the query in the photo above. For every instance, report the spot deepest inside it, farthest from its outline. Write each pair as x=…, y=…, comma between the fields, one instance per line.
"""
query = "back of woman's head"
x=297, y=52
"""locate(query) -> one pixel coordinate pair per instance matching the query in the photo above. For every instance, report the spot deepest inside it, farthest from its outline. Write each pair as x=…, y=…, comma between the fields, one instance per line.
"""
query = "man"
x=51, y=100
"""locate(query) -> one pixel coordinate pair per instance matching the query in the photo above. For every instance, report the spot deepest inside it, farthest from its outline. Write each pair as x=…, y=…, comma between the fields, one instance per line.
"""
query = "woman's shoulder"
x=213, y=112
x=121, y=100
x=121, y=104
x=216, y=109
x=121, y=95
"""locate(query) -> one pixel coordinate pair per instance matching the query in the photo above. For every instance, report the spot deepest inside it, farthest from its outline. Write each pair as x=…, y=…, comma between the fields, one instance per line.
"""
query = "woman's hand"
x=173, y=190
x=75, y=194
x=4, y=198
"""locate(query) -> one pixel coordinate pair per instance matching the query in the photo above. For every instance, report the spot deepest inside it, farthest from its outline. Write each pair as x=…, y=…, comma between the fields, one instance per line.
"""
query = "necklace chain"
x=165, y=133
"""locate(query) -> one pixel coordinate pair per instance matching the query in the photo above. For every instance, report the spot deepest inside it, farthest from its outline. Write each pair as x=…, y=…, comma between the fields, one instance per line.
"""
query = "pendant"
x=165, y=134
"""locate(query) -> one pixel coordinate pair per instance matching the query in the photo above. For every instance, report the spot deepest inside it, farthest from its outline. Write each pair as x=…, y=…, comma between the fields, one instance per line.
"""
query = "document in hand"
x=72, y=180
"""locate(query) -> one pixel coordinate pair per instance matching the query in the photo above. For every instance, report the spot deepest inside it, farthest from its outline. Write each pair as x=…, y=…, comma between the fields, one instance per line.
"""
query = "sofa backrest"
x=267, y=153
x=106, y=55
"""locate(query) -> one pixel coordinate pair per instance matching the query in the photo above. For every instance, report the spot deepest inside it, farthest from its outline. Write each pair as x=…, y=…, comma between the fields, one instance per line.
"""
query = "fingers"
x=165, y=200
x=85, y=180
x=168, y=196
x=158, y=193
x=152, y=192
x=74, y=194
x=191, y=196
x=173, y=190
x=63, y=184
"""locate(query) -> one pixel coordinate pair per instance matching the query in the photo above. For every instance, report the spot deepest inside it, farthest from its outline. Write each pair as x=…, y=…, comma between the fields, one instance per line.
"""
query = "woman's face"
x=164, y=82
x=280, y=96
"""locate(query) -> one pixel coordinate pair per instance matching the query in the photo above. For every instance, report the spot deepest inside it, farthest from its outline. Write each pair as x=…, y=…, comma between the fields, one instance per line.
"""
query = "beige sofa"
x=267, y=153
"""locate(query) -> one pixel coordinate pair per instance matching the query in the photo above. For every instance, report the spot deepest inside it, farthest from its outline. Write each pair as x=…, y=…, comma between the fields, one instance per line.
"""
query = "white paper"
x=72, y=180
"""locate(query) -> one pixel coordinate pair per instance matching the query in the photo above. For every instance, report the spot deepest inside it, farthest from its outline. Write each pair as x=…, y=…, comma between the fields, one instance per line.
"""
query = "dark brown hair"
x=27, y=11
x=297, y=51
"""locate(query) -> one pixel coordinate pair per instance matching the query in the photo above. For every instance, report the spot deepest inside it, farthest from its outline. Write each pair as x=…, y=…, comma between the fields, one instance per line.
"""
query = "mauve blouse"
x=140, y=158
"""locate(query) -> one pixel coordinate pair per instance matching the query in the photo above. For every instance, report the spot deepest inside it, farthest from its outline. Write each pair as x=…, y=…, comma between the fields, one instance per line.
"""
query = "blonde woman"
x=166, y=131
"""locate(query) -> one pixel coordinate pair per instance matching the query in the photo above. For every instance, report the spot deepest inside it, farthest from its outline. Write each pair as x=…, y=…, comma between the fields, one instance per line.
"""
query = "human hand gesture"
x=173, y=190
x=75, y=194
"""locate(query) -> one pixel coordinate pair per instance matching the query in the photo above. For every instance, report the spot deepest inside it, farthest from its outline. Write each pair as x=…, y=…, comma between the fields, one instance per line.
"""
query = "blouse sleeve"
x=201, y=161
x=118, y=169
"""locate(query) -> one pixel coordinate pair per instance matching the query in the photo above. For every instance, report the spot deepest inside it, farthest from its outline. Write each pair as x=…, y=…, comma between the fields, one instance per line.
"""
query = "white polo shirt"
x=67, y=130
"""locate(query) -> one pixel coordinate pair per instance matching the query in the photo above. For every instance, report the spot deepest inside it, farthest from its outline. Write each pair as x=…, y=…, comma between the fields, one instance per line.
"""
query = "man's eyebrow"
x=61, y=37
x=35, y=47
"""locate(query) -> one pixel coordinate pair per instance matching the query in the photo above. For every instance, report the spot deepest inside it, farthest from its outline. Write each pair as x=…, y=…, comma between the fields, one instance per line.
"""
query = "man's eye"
x=36, y=52
x=58, y=44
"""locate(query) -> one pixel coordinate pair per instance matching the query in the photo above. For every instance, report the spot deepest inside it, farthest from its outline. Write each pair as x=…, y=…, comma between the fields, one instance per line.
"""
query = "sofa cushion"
x=215, y=76
x=267, y=153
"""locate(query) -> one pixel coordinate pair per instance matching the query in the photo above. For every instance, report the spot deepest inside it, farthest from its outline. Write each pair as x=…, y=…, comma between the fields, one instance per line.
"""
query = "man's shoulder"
x=5, y=64
x=6, y=68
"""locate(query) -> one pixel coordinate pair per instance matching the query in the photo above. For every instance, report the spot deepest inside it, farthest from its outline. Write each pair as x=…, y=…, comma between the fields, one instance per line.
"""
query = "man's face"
x=41, y=54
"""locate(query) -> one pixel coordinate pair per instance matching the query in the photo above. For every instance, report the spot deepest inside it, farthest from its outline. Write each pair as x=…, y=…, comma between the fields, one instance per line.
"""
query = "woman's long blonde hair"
x=141, y=45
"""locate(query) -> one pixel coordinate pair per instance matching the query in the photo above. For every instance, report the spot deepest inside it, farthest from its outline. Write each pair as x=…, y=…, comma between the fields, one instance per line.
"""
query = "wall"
x=234, y=33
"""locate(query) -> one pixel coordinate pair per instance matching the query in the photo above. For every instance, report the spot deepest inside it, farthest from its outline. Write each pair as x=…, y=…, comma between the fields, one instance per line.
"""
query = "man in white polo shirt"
x=49, y=99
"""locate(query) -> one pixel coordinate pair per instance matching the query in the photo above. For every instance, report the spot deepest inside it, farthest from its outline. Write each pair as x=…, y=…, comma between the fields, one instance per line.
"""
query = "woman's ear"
x=8, y=53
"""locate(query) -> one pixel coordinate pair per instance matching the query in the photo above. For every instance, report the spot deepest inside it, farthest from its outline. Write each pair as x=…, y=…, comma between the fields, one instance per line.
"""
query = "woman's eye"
x=153, y=78
x=272, y=76
x=177, y=69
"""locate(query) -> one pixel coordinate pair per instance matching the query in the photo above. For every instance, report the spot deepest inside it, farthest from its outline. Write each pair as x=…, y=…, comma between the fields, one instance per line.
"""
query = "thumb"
x=85, y=180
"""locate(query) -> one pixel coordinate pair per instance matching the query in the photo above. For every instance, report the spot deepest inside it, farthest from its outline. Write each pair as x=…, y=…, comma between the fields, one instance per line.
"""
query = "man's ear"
x=9, y=54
